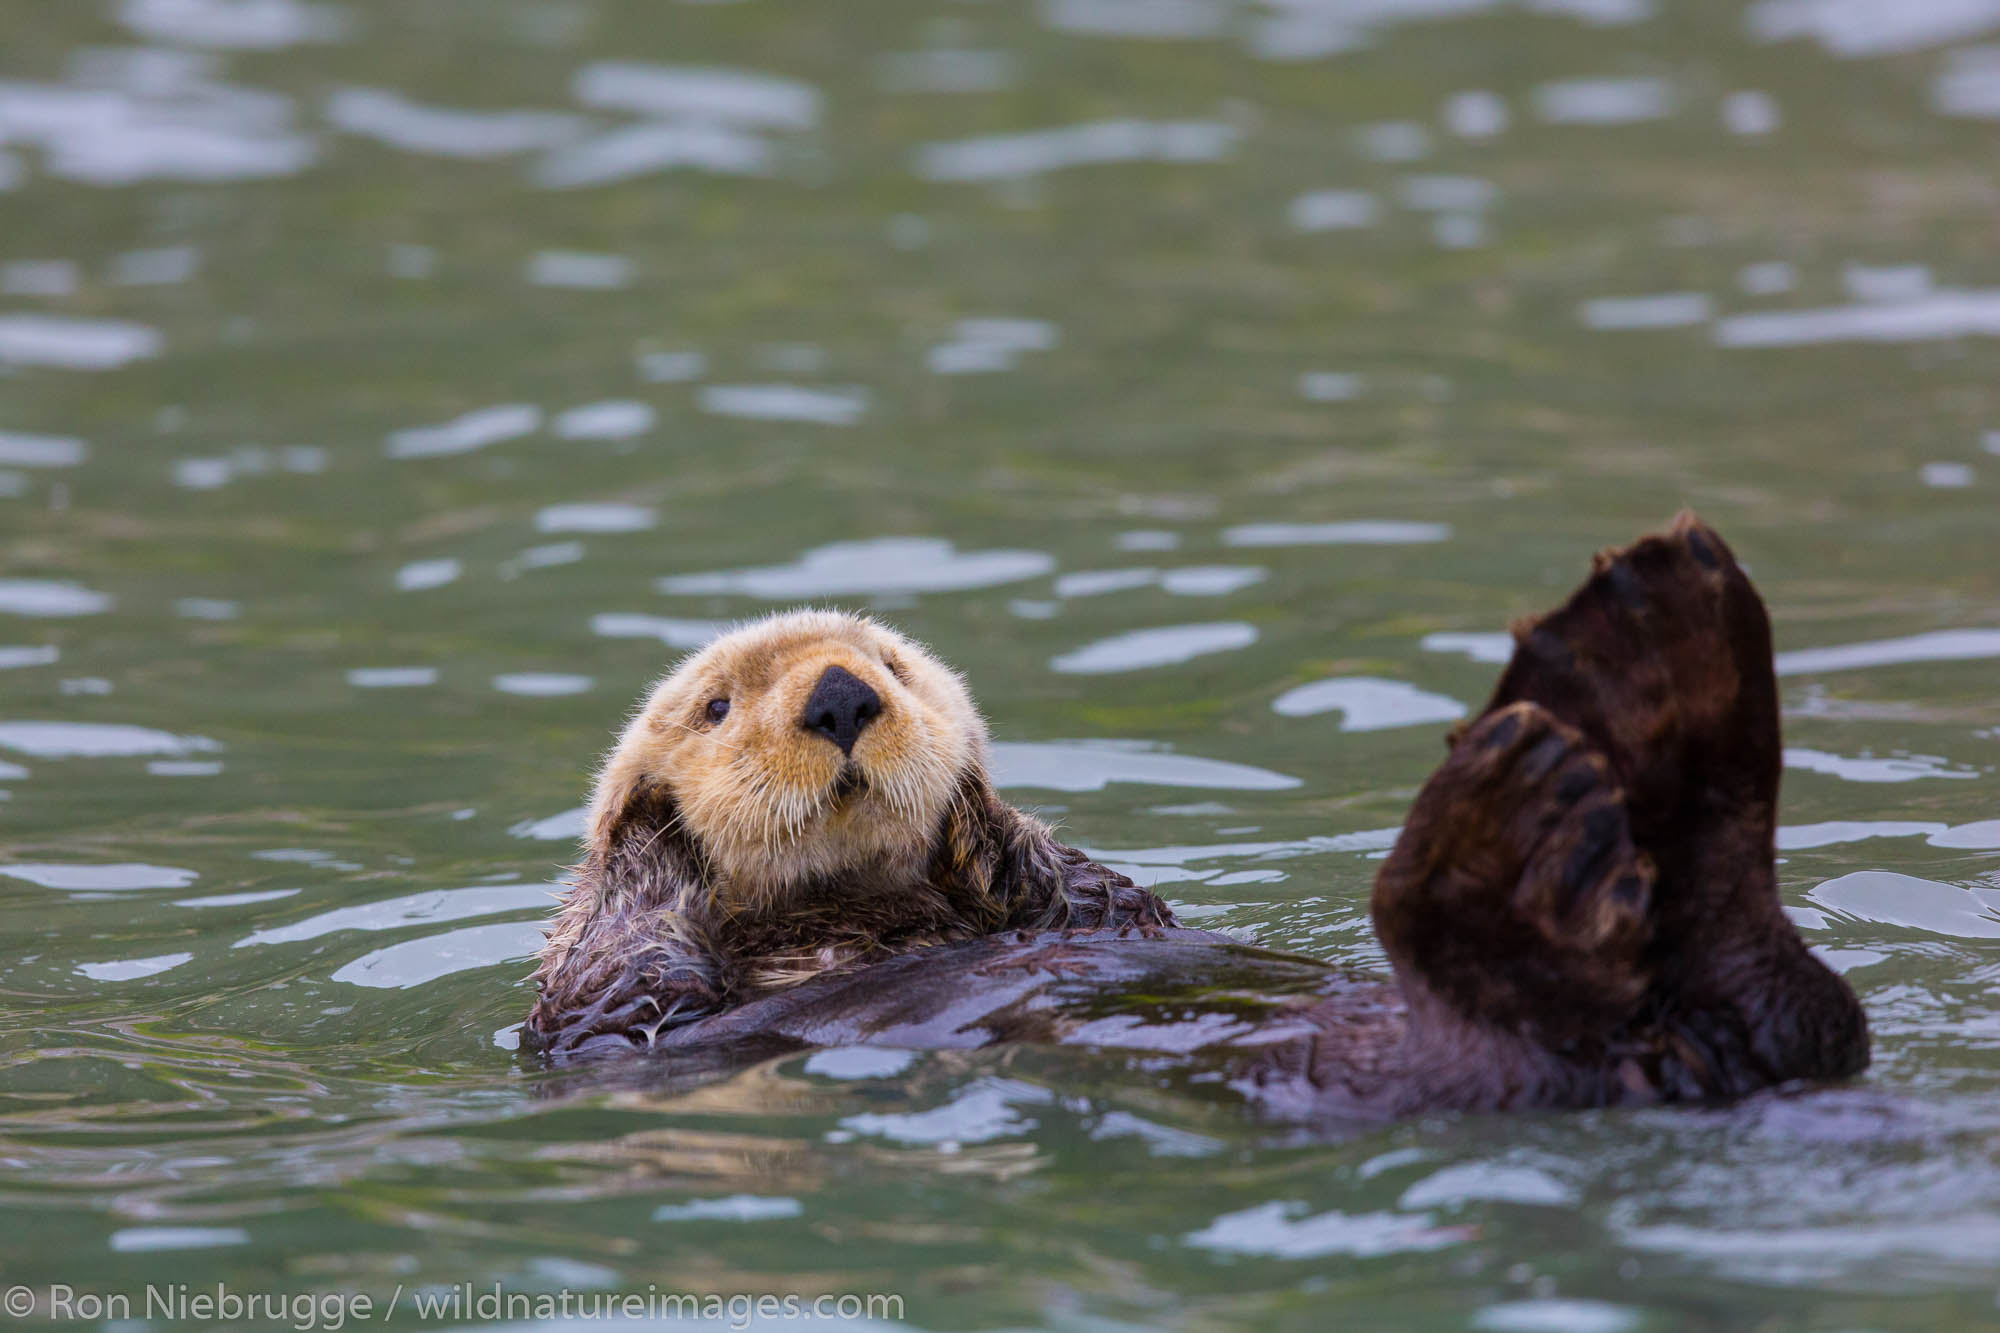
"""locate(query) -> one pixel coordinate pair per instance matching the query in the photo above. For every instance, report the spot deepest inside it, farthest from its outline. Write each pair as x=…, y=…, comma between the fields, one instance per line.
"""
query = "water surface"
x=388, y=392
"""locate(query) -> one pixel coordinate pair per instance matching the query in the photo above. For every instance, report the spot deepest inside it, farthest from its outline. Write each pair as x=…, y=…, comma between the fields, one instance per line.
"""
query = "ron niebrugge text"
x=330, y=1311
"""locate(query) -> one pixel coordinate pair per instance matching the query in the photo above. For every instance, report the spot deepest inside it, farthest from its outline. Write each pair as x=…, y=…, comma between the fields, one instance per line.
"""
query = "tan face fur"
x=774, y=803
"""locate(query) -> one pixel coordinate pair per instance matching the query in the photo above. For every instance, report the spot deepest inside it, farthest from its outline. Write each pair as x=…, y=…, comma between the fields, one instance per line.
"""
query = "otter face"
x=801, y=747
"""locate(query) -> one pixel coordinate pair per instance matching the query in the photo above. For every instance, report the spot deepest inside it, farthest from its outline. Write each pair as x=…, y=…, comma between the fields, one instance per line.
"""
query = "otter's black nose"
x=841, y=705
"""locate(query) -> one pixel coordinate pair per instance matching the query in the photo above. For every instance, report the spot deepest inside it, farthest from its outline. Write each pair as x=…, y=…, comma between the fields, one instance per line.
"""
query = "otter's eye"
x=718, y=709
x=896, y=669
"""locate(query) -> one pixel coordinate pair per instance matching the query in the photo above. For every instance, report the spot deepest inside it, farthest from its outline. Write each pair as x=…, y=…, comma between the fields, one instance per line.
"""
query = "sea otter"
x=796, y=841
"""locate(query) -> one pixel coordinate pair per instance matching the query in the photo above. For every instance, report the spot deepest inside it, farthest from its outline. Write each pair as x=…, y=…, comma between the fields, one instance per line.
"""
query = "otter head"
x=804, y=747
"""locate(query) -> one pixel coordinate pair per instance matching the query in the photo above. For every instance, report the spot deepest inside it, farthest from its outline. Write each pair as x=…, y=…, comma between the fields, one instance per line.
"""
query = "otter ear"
x=626, y=797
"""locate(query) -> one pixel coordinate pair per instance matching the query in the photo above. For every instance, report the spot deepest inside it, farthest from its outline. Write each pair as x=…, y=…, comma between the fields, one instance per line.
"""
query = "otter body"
x=795, y=843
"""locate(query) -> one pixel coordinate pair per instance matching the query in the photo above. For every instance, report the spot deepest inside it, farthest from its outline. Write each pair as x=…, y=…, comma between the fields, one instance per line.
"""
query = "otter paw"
x=1515, y=891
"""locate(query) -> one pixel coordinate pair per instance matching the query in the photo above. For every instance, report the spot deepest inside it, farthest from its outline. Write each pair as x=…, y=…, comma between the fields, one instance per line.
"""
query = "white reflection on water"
x=565, y=827
x=1093, y=765
x=886, y=566
x=260, y=25
x=1312, y=29
x=393, y=913
x=1751, y=113
x=1476, y=114
x=1979, y=836
x=1669, y=310
x=415, y=962
x=1767, y=278
x=1333, y=210
x=1393, y=141
x=1982, y=835
x=1330, y=386
x=249, y=460
x=1888, y=282
x=1190, y=581
x=1908, y=768
x=989, y=344
x=785, y=402
x=392, y=119
x=1947, y=476
x=541, y=557
x=135, y=116
x=421, y=574
x=733, y=1208
x=1160, y=1140
x=980, y=1112
x=75, y=344
x=1946, y=645
x=1367, y=532
x=38, y=277
x=596, y=518
x=123, y=877
x=671, y=367
x=160, y=267
x=653, y=146
x=462, y=435
x=612, y=419
x=131, y=969
x=1494, y=649
x=15, y=656
x=1002, y=156
x=1851, y=28
x=1969, y=84
x=1167, y=645
x=145, y=1240
x=95, y=740
x=1174, y=864
x=235, y=899
x=575, y=268
x=1488, y=1182
x=50, y=597
x=392, y=678
x=1945, y=313
x=1556, y=1315
x=1891, y=899
x=734, y=96
x=1368, y=704
x=859, y=1062
x=1160, y=20
x=1281, y=1230
x=1604, y=101
x=674, y=632
x=1835, y=832
x=542, y=684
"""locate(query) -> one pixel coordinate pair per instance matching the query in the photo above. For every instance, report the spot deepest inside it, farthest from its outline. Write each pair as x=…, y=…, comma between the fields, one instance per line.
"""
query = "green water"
x=270, y=262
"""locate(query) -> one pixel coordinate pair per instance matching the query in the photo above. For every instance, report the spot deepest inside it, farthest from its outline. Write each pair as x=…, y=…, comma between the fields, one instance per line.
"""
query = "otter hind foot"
x=1516, y=895
x=1589, y=878
x=1662, y=659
